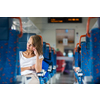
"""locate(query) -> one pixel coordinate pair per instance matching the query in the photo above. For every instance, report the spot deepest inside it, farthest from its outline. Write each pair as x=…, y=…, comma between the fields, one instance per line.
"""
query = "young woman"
x=31, y=59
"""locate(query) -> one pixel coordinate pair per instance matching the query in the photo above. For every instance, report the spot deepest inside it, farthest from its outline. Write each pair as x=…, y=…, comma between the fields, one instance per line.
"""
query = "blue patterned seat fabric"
x=9, y=58
x=85, y=54
x=23, y=41
x=47, y=53
x=95, y=55
x=76, y=64
x=55, y=62
x=90, y=62
x=44, y=48
x=79, y=60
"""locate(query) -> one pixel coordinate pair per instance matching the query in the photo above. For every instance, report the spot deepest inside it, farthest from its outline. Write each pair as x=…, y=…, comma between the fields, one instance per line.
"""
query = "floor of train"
x=65, y=78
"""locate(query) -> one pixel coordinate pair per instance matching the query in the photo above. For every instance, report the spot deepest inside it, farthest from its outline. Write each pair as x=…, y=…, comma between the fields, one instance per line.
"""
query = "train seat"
x=92, y=54
x=90, y=57
x=50, y=58
x=47, y=64
x=9, y=51
x=60, y=63
x=55, y=62
x=95, y=55
x=9, y=54
x=78, y=64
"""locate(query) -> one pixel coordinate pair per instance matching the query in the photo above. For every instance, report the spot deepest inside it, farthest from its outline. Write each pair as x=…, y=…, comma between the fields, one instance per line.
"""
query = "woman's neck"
x=30, y=52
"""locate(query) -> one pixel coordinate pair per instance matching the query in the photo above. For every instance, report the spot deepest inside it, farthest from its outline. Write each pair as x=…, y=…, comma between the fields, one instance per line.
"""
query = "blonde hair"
x=37, y=43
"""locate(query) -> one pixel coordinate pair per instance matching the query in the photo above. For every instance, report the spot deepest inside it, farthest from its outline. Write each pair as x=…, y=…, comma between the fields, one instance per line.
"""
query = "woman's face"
x=30, y=46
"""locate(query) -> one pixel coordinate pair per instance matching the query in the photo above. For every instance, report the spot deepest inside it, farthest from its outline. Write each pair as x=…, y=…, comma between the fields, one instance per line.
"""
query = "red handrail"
x=54, y=50
x=74, y=50
x=80, y=40
x=76, y=46
x=49, y=46
x=21, y=29
x=88, y=23
x=41, y=39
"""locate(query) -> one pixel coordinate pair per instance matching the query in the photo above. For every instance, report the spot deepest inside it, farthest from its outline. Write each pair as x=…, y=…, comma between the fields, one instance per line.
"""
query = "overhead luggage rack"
x=28, y=25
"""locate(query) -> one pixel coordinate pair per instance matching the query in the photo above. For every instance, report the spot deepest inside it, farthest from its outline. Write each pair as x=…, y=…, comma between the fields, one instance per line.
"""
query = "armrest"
x=80, y=74
x=79, y=70
x=42, y=73
x=50, y=68
x=54, y=67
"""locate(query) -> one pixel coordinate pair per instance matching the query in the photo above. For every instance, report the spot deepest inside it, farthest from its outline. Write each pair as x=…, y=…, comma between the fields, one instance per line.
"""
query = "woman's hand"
x=77, y=68
x=32, y=67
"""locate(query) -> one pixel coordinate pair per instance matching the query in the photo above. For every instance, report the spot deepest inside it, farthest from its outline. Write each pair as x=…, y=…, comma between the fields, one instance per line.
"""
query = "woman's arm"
x=38, y=65
x=77, y=68
x=28, y=68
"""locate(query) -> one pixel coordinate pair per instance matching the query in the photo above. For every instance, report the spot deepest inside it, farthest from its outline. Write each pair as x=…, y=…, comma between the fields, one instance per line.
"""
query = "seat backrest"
x=79, y=54
x=76, y=59
x=5, y=25
x=95, y=54
x=79, y=60
x=47, y=53
x=85, y=57
x=45, y=65
x=90, y=56
x=29, y=35
x=47, y=48
x=52, y=56
x=44, y=48
x=9, y=61
x=55, y=59
x=23, y=41
x=94, y=48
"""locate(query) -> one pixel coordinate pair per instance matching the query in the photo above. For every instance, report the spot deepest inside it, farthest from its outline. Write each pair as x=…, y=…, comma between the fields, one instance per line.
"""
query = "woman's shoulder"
x=22, y=52
x=41, y=56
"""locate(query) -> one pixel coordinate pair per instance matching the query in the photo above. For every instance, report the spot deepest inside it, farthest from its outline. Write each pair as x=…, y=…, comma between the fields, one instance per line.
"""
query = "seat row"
x=11, y=43
x=88, y=60
x=49, y=62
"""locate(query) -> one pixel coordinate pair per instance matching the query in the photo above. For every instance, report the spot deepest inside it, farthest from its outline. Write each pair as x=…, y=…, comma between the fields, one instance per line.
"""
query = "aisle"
x=66, y=79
